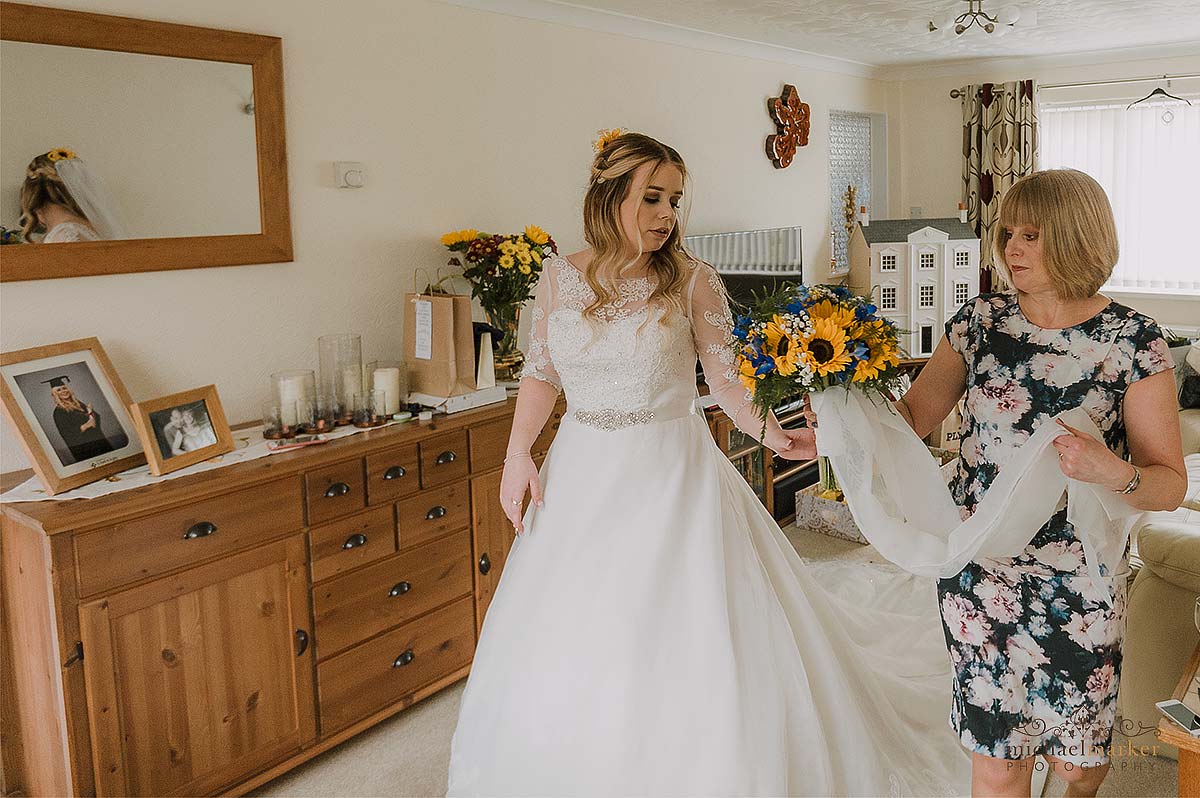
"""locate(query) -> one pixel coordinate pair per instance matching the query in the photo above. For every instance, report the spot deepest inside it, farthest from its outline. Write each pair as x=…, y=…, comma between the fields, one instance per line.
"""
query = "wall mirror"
x=166, y=140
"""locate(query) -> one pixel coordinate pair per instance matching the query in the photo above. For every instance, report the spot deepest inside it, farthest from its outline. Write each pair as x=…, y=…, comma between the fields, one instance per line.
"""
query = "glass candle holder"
x=289, y=388
x=391, y=377
x=306, y=415
x=273, y=427
x=328, y=412
x=368, y=409
x=340, y=358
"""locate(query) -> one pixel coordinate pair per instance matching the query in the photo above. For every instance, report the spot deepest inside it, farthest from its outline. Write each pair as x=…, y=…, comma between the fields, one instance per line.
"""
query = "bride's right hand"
x=520, y=474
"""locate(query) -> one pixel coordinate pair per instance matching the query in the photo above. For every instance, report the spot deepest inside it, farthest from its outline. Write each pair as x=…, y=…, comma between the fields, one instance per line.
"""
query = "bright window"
x=1148, y=161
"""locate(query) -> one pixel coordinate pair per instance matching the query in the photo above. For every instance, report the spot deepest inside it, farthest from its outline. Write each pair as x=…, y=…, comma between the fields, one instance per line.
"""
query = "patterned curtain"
x=999, y=147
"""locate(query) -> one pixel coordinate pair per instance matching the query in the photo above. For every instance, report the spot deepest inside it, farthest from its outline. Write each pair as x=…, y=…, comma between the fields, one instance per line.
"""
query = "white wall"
x=167, y=135
x=463, y=118
x=926, y=141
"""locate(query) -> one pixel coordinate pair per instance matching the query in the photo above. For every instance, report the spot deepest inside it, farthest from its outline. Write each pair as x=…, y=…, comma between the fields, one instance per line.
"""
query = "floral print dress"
x=1035, y=649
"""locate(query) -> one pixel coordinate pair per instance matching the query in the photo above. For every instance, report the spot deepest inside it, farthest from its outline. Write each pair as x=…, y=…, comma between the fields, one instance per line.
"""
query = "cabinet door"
x=199, y=679
x=493, y=537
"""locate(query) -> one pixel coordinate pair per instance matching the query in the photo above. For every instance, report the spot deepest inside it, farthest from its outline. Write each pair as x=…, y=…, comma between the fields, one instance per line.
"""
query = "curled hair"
x=1075, y=224
x=43, y=187
x=611, y=182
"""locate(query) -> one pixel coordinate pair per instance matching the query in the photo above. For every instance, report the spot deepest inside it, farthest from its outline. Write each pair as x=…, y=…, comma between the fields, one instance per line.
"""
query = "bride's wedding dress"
x=654, y=632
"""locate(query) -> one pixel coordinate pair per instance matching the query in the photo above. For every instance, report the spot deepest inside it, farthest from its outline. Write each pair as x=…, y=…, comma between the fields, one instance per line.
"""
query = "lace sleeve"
x=537, y=359
x=712, y=331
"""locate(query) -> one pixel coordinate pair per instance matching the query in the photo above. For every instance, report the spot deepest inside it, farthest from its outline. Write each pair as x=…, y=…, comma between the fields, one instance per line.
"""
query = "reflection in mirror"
x=101, y=144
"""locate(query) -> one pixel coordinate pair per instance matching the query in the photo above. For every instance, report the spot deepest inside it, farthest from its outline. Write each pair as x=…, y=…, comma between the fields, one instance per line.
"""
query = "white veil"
x=93, y=197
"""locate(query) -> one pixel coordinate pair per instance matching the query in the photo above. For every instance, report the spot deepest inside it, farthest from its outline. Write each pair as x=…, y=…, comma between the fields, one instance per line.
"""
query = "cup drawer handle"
x=445, y=457
x=395, y=472
x=405, y=658
x=200, y=530
x=435, y=513
x=337, y=489
x=485, y=564
x=354, y=541
x=399, y=589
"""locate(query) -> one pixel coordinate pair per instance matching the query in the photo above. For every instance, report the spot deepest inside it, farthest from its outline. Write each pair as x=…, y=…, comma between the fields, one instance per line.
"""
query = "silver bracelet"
x=518, y=454
x=1134, y=481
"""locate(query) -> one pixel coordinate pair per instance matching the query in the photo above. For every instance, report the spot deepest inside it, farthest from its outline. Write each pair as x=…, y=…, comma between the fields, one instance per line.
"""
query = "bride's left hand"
x=797, y=444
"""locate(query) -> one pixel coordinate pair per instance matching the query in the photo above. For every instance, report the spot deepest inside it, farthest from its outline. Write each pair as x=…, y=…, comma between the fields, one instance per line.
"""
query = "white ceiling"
x=881, y=32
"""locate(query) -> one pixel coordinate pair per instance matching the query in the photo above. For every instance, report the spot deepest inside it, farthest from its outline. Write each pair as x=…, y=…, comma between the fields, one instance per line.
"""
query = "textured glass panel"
x=849, y=164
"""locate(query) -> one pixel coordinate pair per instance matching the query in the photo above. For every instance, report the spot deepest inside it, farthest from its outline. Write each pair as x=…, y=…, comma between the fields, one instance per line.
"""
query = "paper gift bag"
x=439, y=345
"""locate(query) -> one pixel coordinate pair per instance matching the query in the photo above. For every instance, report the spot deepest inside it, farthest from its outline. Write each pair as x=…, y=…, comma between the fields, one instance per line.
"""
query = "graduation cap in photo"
x=57, y=382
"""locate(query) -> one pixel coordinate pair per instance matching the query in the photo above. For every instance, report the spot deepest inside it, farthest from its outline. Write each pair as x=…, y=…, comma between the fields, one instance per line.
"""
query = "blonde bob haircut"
x=1075, y=223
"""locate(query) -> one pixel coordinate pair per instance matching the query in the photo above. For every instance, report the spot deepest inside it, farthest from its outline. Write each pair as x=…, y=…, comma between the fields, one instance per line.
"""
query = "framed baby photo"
x=69, y=410
x=182, y=429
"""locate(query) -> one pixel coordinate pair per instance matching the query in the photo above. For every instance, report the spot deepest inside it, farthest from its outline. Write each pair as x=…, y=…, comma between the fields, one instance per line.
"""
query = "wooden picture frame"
x=163, y=425
x=264, y=54
x=62, y=457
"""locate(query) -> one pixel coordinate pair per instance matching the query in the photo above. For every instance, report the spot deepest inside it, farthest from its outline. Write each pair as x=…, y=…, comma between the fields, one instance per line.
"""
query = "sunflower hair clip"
x=60, y=154
x=607, y=137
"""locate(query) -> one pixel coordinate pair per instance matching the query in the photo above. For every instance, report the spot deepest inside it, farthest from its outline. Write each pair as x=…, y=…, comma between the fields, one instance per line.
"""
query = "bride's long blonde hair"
x=611, y=181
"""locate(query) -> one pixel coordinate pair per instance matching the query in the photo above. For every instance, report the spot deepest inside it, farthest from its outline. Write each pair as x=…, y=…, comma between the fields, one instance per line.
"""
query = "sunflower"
x=870, y=368
x=536, y=234
x=825, y=348
x=747, y=375
x=450, y=239
x=781, y=347
x=840, y=315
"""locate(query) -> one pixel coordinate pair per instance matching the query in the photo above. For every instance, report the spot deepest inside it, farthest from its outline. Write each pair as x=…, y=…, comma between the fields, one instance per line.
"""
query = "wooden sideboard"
x=208, y=633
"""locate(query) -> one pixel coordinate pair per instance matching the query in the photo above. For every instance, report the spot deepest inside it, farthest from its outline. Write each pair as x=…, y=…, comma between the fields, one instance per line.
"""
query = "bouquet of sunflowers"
x=502, y=271
x=802, y=339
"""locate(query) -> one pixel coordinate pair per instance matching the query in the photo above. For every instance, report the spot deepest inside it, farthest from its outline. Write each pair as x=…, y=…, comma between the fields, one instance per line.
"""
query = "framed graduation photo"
x=182, y=429
x=70, y=411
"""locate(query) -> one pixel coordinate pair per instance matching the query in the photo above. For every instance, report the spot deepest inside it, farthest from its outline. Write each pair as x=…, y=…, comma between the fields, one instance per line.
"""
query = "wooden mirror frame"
x=264, y=54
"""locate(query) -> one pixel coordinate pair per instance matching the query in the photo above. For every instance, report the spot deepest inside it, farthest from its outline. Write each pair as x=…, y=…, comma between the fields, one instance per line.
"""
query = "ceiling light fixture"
x=975, y=16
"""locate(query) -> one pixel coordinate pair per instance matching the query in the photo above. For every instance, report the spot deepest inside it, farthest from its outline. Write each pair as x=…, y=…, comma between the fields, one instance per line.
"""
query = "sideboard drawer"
x=162, y=542
x=393, y=473
x=546, y=436
x=351, y=542
x=357, y=605
x=433, y=513
x=488, y=442
x=334, y=491
x=384, y=670
x=443, y=459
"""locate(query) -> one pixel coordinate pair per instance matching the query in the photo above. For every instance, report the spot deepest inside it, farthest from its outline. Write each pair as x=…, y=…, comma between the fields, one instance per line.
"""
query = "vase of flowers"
x=802, y=339
x=502, y=271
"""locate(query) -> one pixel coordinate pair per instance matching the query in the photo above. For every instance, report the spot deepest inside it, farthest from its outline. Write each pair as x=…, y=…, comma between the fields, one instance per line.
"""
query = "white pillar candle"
x=351, y=382
x=291, y=390
x=388, y=381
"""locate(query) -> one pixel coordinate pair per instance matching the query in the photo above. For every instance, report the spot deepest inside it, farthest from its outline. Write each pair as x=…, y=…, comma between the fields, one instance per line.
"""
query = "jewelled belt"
x=612, y=419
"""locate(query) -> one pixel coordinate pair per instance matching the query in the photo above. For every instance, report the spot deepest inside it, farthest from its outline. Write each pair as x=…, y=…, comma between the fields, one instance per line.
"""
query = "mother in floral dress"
x=1035, y=646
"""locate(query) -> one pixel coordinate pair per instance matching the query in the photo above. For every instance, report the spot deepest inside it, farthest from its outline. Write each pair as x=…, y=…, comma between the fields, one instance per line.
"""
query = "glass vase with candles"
x=290, y=390
x=391, y=377
x=502, y=271
x=340, y=358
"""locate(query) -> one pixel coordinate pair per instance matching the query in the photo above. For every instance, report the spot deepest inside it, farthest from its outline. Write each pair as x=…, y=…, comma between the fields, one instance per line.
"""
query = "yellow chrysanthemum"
x=781, y=347
x=536, y=255
x=606, y=136
x=825, y=349
x=60, y=154
x=536, y=234
x=459, y=236
x=507, y=247
x=525, y=268
x=841, y=316
x=524, y=258
x=507, y=261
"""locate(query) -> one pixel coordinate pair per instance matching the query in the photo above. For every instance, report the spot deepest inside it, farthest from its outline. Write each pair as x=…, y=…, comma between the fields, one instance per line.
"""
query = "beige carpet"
x=407, y=755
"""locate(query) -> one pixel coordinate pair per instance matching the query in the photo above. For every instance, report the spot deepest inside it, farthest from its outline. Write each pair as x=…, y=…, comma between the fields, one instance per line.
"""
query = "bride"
x=654, y=632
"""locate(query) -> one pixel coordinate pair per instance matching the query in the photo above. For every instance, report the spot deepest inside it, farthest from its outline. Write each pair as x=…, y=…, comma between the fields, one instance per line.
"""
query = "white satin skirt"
x=654, y=633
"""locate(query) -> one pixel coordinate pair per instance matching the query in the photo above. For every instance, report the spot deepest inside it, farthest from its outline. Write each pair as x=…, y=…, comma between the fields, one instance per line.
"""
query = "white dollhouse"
x=919, y=271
